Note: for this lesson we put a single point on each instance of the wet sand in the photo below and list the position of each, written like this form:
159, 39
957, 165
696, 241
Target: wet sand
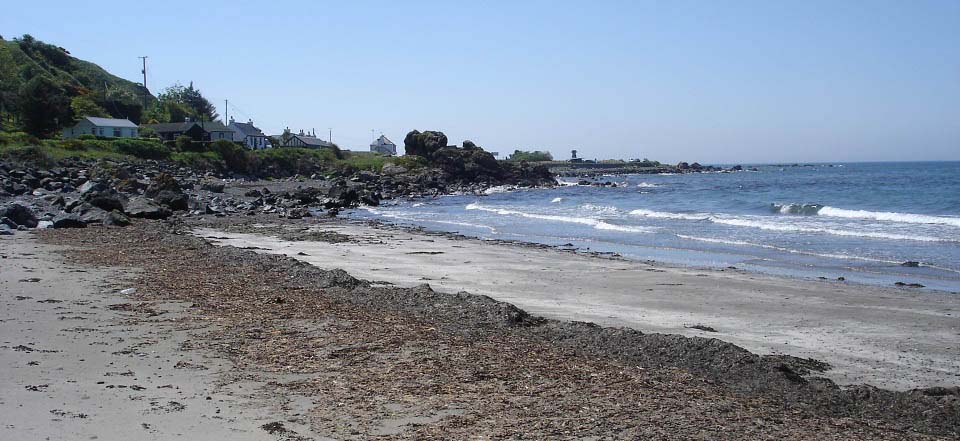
891, 338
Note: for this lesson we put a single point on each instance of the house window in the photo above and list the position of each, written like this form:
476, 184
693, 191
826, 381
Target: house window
116, 132
101, 131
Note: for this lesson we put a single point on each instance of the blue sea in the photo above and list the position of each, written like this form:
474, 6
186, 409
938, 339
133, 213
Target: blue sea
859, 221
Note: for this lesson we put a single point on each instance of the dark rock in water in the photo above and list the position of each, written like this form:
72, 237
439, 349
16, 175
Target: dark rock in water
68, 221
909, 285
141, 207
19, 214
424, 144
213, 186
340, 195
371, 199
910, 264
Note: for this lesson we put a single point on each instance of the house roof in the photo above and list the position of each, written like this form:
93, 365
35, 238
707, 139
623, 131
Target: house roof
170, 127
382, 140
110, 122
208, 126
247, 129
313, 141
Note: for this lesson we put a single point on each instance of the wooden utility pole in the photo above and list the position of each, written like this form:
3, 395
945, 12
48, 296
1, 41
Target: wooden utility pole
146, 91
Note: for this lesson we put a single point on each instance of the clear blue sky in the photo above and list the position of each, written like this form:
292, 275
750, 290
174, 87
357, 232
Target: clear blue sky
708, 81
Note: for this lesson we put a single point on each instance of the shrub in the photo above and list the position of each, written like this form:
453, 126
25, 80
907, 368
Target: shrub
410, 162
141, 149
18, 139
73, 145
34, 154
185, 144
233, 155
86, 136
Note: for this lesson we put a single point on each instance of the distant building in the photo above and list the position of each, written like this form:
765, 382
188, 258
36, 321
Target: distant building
383, 146
106, 127
306, 140
248, 134
198, 131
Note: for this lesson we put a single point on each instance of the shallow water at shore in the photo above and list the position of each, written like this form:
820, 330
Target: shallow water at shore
856, 221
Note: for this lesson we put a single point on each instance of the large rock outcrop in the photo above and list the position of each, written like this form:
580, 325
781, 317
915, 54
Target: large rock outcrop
471, 164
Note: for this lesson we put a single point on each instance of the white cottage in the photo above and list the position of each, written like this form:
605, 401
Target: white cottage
248, 134
383, 146
105, 127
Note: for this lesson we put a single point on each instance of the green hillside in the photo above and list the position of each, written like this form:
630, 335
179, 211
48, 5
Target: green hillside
43, 88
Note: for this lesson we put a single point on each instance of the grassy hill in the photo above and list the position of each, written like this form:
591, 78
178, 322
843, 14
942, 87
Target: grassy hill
23, 59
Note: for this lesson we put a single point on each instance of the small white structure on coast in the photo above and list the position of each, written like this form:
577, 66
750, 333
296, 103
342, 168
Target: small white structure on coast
104, 127
383, 146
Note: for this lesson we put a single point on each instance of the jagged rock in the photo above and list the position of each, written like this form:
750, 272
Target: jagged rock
253, 194
213, 186
340, 195
141, 207
117, 219
173, 200
424, 144
90, 187
19, 214
393, 170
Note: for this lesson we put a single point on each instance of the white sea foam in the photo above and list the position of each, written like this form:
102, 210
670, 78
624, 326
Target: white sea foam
595, 223
556, 200
567, 183
601, 209
499, 189
759, 223
786, 250
647, 185
890, 216
774, 226
668, 215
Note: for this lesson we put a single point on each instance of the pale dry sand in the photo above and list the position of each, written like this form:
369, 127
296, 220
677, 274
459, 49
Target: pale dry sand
72, 368
891, 338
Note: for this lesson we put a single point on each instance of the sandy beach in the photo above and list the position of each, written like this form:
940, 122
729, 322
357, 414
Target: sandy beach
82, 359
890, 338
225, 339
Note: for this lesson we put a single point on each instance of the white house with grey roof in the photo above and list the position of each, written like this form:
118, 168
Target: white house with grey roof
248, 134
383, 146
105, 127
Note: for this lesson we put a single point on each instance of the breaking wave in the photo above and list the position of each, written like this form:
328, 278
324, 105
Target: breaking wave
909, 218
884, 216
756, 222
595, 223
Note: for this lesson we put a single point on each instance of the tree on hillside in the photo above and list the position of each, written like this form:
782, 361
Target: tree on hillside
83, 105
44, 106
8, 82
176, 103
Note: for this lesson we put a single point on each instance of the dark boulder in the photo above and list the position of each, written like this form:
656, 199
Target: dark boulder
340, 195
177, 201
107, 200
116, 219
213, 186
68, 221
424, 144
19, 214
